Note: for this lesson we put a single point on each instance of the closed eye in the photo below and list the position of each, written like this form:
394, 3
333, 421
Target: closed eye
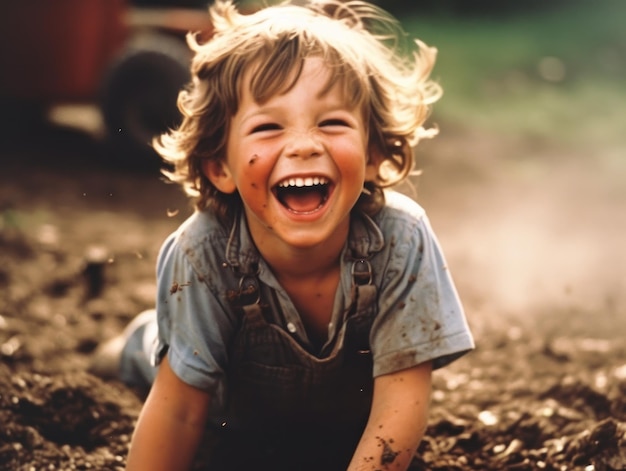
334, 122
265, 127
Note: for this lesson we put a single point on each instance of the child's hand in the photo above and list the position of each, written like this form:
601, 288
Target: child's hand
397, 420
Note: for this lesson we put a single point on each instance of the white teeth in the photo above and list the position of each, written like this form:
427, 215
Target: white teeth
301, 182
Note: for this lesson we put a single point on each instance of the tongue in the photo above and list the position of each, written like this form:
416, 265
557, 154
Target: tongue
302, 200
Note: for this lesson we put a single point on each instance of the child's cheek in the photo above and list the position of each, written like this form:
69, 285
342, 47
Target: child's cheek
254, 185
256, 170
253, 160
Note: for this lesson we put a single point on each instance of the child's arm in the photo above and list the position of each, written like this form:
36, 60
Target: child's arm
397, 420
170, 426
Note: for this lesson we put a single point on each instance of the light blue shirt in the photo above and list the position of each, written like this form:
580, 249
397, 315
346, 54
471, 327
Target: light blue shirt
420, 317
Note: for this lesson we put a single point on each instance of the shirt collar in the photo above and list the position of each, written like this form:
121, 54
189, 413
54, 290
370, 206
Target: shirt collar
364, 239
241, 253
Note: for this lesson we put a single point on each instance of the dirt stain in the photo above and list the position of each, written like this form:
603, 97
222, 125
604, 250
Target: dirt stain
177, 287
388, 455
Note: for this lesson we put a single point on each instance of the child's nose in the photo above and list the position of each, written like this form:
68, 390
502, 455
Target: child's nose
304, 144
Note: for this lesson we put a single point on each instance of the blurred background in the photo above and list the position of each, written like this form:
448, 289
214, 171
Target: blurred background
525, 185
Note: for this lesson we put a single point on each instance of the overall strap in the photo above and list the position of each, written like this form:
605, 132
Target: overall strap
364, 293
248, 298
363, 290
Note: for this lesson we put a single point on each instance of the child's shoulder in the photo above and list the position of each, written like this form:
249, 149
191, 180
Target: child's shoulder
200, 229
400, 209
402, 219
200, 243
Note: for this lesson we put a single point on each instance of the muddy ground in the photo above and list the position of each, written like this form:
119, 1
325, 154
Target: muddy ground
533, 236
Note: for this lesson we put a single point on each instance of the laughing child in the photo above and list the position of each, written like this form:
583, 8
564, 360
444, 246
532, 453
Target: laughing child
303, 306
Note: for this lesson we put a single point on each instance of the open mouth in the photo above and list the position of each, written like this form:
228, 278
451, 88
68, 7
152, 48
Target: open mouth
303, 195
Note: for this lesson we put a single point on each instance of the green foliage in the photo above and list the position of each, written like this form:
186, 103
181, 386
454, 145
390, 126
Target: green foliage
550, 73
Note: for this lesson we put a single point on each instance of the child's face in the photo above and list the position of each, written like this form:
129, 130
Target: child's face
299, 162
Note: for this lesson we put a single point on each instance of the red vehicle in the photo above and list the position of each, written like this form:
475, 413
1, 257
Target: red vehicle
131, 61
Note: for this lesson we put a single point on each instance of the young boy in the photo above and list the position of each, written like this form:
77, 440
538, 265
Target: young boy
301, 308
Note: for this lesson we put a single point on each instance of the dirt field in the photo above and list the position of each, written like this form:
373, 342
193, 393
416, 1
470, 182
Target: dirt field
533, 233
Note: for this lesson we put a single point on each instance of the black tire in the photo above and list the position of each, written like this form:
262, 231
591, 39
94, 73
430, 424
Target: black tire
138, 97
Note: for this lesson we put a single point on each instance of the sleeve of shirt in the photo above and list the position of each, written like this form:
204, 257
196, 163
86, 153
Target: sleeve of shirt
420, 315
194, 326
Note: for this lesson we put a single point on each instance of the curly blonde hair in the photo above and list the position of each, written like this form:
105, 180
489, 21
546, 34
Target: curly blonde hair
377, 68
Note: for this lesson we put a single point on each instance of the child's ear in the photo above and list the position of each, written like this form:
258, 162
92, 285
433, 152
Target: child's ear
219, 174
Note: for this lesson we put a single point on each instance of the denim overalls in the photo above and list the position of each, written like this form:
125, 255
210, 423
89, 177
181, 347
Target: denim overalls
297, 410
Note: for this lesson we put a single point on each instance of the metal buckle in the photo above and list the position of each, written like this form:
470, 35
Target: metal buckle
248, 285
362, 272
